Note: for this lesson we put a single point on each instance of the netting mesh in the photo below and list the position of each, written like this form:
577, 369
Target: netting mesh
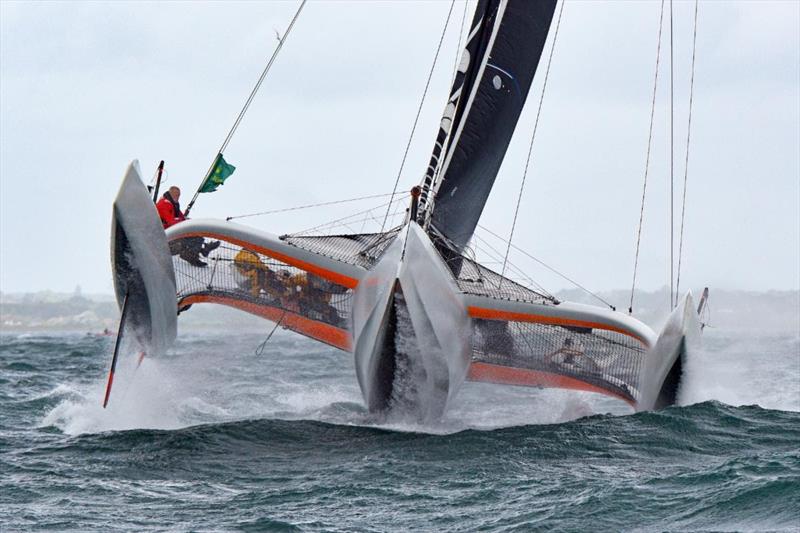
474, 278
359, 249
606, 359
365, 249
257, 280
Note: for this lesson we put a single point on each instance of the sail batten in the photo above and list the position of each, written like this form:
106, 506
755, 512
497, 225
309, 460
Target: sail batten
492, 83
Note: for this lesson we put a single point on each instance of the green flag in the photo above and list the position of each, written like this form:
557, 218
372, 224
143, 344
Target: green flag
218, 175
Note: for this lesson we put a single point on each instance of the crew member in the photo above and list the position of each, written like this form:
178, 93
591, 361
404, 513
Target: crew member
256, 275
188, 248
318, 296
169, 210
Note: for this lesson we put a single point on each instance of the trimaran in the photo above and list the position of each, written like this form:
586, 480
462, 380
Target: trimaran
411, 305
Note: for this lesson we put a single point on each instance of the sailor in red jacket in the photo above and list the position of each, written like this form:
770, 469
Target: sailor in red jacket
169, 209
188, 248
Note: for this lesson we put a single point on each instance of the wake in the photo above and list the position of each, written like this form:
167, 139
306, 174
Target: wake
209, 382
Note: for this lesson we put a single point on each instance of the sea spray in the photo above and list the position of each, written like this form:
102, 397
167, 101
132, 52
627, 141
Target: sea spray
744, 370
283, 440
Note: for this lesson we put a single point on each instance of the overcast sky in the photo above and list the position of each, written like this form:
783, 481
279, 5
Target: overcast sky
87, 87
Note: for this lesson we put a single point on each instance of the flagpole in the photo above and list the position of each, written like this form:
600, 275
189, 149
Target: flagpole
246, 106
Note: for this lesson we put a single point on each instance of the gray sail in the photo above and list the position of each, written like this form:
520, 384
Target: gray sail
500, 59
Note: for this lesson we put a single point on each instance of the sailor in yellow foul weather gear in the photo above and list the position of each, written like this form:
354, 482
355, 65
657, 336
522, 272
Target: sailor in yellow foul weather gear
255, 272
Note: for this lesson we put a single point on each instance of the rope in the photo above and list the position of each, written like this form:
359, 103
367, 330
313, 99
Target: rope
246, 104
419, 110
686, 163
533, 136
260, 348
459, 54
308, 206
705, 320
551, 269
497, 255
164, 177
647, 158
339, 220
671, 165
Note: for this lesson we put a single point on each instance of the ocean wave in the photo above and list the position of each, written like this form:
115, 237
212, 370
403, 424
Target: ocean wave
211, 437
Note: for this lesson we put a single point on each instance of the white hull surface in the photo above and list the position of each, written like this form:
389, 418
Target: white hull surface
142, 266
427, 355
663, 368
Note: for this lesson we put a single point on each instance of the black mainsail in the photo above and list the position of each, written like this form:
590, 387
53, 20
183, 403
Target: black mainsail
494, 76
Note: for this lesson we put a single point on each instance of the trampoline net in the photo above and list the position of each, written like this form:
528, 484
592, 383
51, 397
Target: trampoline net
474, 278
363, 249
607, 360
244, 278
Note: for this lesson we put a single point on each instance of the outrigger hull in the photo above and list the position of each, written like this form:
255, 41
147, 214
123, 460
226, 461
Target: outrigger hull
664, 367
142, 267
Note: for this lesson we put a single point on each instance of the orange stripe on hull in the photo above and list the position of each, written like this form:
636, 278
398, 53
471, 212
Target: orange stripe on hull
505, 375
330, 275
513, 316
320, 331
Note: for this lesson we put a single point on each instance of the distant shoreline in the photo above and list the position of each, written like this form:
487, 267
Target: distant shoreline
48, 311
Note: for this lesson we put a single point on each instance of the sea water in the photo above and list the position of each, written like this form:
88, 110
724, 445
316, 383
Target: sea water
214, 437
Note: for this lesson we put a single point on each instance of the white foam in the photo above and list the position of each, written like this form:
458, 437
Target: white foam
744, 370
144, 399
209, 380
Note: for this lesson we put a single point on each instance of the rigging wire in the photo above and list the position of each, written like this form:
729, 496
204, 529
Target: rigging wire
459, 53
671, 163
424, 202
533, 136
309, 206
236, 123
419, 109
497, 255
548, 267
686, 162
260, 348
647, 158
338, 221
164, 177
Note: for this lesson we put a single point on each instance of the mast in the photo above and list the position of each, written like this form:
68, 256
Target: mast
465, 75
500, 58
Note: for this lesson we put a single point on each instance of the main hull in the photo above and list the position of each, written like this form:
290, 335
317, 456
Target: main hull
411, 329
